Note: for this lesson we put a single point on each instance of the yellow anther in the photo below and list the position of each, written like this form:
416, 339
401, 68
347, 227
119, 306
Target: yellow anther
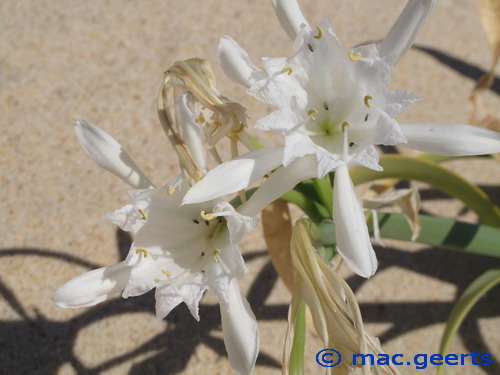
206, 216
214, 255
354, 57
142, 251
158, 281
320, 33
287, 69
166, 273
367, 100
201, 118
345, 124
143, 214
170, 189
310, 114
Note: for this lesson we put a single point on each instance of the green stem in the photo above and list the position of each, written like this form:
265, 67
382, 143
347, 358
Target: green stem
315, 210
299, 341
435, 231
324, 189
404, 167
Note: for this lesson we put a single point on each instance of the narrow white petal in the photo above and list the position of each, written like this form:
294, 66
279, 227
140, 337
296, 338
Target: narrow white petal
234, 175
236, 63
93, 287
353, 240
281, 181
290, 16
451, 139
403, 33
109, 154
191, 131
241, 335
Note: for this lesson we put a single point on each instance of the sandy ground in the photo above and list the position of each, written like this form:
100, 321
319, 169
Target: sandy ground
104, 61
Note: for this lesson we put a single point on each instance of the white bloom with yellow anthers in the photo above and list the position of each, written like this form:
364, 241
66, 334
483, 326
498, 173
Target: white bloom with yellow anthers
334, 107
180, 251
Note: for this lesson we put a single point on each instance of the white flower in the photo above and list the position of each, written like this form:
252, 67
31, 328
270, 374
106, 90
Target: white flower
334, 106
180, 251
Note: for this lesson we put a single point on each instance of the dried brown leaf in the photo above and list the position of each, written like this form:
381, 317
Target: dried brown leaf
277, 226
490, 17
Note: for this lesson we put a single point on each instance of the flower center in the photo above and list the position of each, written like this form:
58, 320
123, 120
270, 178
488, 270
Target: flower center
327, 123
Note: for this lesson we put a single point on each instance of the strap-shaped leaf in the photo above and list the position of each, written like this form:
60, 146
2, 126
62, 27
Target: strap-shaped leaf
467, 300
435, 231
408, 168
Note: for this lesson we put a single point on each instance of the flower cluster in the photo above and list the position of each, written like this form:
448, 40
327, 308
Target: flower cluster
333, 108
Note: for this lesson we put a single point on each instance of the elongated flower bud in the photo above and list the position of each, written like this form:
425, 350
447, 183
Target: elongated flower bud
110, 155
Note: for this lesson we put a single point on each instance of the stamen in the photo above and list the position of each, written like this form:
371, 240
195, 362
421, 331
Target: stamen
354, 57
320, 33
310, 48
196, 221
310, 114
367, 100
345, 148
287, 69
159, 281
366, 117
325, 106
345, 124
142, 251
201, 118
214, 255
166, 273
143, 214
170, 189
206, 216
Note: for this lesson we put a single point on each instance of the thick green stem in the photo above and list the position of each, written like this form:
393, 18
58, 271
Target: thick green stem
325, 192
315, 210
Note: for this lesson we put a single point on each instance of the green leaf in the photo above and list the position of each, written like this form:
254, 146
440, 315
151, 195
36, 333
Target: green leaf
467, 300
435, 231
443, 158
408, 168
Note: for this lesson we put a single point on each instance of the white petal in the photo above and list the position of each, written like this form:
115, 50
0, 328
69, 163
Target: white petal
290, 16
237, 224
169, 296
234, 175
241, 335
451, 139
128, 217
353, 240
93, 287
191, 131
110, 155
280, 89
281, 181
402, 35
236, 64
